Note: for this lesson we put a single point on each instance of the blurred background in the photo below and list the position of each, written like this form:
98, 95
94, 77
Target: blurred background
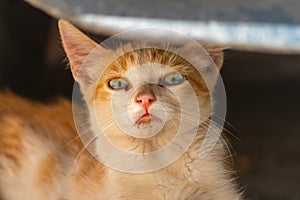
263, 94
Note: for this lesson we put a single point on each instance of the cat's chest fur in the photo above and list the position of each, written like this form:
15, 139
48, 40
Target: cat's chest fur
173, 182
184, 179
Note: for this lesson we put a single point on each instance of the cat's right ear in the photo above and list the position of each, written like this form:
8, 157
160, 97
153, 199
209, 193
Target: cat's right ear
77, 47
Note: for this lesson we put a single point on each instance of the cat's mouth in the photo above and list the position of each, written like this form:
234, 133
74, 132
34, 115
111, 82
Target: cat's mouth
145, 119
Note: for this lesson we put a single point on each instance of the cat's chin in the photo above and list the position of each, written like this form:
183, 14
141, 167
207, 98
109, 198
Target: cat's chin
146, 126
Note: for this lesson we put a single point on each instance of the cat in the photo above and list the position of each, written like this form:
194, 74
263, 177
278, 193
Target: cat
42, 157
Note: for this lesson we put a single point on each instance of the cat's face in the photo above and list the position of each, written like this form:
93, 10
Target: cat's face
141, 95
141, 100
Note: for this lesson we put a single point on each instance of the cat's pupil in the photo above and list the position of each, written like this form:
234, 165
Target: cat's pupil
173, 79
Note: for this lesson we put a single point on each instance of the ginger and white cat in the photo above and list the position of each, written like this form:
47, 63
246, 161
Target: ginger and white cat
42, 157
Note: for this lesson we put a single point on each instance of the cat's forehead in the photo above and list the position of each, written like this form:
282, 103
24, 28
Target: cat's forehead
150, 62
147, 73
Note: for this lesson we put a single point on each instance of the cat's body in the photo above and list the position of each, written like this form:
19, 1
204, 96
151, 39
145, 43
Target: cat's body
41, 156
34, 155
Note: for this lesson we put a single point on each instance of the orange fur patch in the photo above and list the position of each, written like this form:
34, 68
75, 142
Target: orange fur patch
11, 146
47, 170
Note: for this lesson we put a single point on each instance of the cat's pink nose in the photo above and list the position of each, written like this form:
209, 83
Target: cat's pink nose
145, 100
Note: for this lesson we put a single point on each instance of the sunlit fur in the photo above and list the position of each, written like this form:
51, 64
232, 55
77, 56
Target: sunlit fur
34, 152
41, 157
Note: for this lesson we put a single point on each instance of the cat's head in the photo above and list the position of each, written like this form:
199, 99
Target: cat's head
138, 94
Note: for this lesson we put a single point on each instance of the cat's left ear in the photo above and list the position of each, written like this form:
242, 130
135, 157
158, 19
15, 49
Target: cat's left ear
78, 46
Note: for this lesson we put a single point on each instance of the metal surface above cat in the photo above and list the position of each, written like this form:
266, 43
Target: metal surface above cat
256, 25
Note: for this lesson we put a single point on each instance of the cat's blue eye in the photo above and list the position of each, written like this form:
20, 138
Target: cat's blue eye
172, 79
118, 84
